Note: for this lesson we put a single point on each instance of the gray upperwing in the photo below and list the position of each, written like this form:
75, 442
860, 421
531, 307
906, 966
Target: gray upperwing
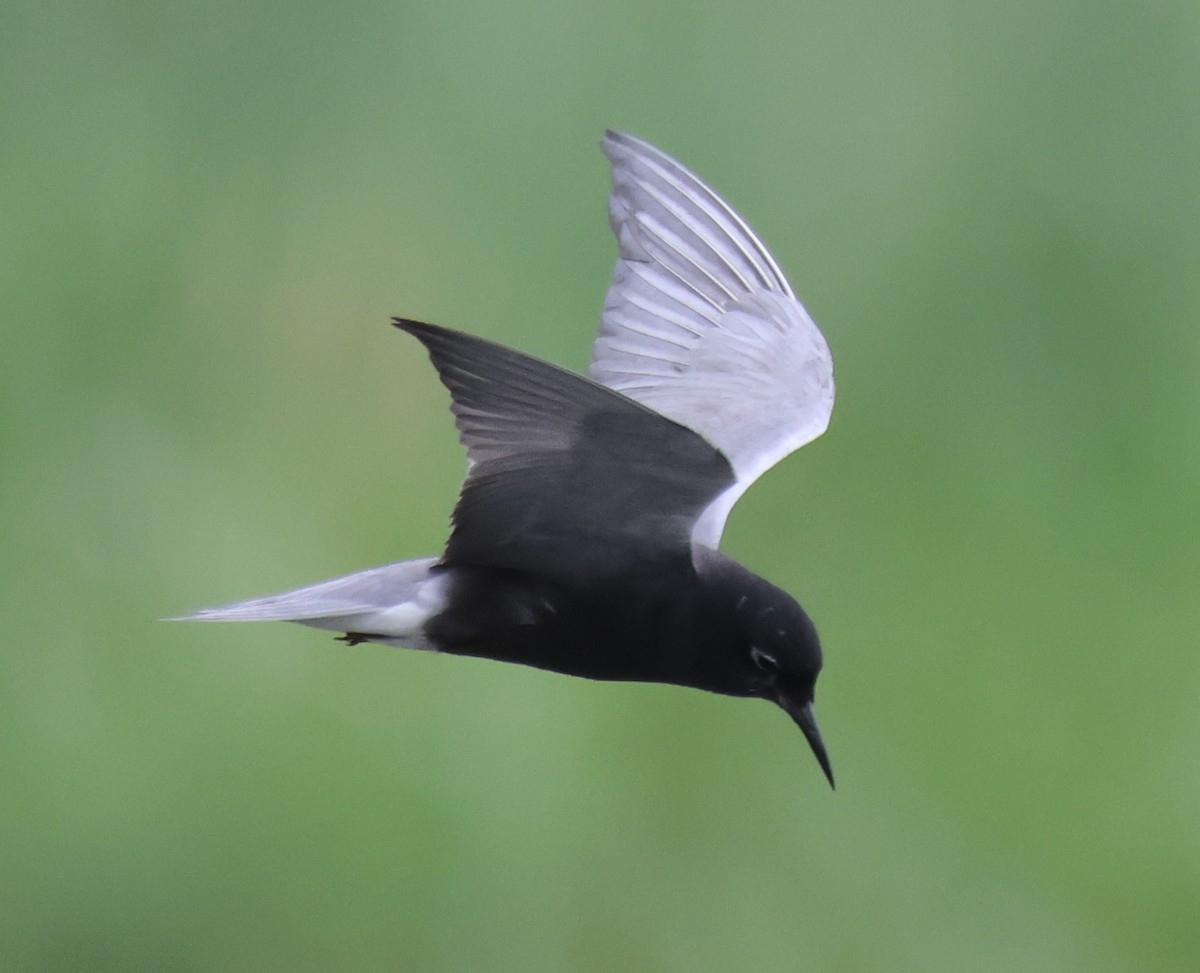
568, 479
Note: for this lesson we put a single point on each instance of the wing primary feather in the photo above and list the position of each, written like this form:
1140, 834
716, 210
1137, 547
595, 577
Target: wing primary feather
650, 278
629, 149
675, 243
714, 248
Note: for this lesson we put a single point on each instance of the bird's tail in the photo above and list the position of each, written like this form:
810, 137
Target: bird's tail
389, 603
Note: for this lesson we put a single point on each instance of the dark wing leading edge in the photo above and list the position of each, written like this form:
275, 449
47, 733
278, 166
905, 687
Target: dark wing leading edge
701, 326
567, 478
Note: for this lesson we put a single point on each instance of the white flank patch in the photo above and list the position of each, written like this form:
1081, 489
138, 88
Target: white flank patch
402, 625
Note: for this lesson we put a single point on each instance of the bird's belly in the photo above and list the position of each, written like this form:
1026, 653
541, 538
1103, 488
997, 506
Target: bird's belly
514, 618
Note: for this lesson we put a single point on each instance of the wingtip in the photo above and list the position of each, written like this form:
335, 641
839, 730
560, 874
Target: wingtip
619, 145
423, 331
616, 143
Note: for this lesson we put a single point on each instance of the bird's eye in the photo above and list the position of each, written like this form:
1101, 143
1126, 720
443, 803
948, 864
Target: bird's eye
764, 660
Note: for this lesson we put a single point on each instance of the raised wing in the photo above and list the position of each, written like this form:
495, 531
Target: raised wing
700, 324
568, 478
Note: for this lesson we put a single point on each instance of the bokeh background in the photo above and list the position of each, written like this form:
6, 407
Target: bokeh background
209, 212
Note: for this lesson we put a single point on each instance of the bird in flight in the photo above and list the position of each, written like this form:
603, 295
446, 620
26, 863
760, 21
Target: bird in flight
585, 538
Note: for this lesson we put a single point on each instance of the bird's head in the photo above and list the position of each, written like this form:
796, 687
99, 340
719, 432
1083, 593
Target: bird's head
782, 658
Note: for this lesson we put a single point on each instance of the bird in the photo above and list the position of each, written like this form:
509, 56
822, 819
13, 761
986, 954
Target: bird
585, 539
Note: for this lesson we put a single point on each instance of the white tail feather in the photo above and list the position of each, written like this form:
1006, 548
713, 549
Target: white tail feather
386, 604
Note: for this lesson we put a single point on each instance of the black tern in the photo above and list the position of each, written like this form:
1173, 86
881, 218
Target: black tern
585, 538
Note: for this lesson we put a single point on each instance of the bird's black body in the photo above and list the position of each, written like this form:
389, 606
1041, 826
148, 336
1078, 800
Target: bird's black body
584, 539
572, 549
666, 623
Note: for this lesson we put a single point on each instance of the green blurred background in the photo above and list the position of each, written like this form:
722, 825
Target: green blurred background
207, 215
